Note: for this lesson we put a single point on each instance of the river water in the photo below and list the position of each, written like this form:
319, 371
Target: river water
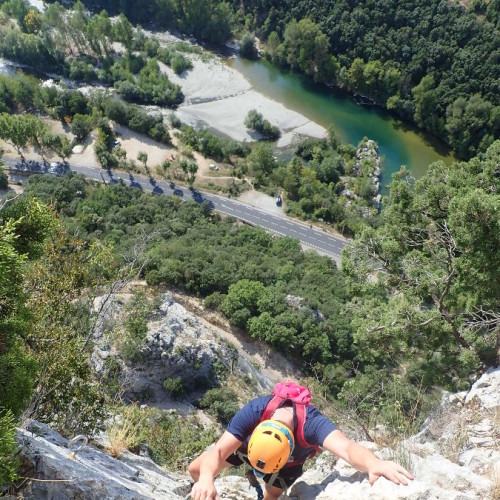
399, 143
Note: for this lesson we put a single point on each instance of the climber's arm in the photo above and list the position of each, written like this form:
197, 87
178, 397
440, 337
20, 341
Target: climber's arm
205, 468
364, 460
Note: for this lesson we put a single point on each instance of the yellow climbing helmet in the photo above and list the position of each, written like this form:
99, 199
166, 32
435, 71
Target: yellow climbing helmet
270, 446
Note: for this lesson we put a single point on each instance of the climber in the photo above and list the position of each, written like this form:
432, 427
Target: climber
276, 435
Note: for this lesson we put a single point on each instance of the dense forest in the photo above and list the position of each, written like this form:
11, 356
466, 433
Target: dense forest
435, 64
420, 62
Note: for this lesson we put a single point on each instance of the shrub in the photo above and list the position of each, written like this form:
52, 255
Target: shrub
127, 432
4, 179
221, 402
174, 441
213, 301
136, 331
176, 387
180, 64
247, 46
8, 461
255, 121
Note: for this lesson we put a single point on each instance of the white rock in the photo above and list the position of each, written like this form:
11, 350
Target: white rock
486, 389
91, 474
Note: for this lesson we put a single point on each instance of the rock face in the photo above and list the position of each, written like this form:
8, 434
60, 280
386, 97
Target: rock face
177, 344
456, 455
90, 473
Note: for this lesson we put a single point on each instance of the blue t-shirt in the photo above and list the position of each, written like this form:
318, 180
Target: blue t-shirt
316, 427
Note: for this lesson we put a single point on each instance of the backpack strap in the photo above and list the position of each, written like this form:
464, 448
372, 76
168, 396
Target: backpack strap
271, 407
300, 413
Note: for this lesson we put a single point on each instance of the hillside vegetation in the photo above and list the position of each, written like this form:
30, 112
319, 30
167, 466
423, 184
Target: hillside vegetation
429, 319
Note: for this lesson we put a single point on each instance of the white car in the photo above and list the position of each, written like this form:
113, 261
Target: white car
57, 168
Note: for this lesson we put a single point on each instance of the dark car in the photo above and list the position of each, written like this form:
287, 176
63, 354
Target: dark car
279, 201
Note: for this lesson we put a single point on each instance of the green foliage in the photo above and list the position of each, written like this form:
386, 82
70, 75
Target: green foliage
210, 145
221, 402
151, 87
136, 328
24, 229
436, 247
29, 49
176, 60
4, 178
172, 440
8, 462
175, 386
81, 126
255, 121
247, 46
136, 119
66, 387
416, 60
241, 301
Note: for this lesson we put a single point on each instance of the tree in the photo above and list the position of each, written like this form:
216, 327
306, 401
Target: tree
426, 106
81, 126
23, 231
261, 161
4, 178
124, 32
272, 47
468, 123
240, 304
192, 170
36, 130
33, 22
143, 158
436, 250
255, 121
247, 46
15, 131
57, 143
99, 32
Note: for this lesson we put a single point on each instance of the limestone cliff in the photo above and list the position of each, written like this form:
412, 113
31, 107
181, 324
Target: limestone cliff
456, 454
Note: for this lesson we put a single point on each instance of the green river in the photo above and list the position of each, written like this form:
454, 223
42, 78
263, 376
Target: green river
399, 143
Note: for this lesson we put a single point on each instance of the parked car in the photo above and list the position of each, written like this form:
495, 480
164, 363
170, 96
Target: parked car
279, 201
57, 168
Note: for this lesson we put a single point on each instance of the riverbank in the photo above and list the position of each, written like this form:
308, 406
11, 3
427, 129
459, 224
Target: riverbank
219, 98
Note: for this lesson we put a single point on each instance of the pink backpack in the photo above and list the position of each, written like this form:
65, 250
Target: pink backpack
300, 398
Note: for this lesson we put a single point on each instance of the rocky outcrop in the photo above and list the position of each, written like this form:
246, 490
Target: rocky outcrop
456, 455
178, 344
367, 165
90, 473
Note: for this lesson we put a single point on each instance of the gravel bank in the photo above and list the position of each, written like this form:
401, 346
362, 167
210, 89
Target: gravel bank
219, 98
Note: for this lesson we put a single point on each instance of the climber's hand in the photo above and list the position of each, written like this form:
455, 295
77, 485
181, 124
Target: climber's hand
204, 489
390, 470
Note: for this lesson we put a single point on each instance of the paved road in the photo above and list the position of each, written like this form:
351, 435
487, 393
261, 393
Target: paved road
321, 241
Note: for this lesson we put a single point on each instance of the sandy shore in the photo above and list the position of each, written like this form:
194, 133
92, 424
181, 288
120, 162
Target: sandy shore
219, 98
